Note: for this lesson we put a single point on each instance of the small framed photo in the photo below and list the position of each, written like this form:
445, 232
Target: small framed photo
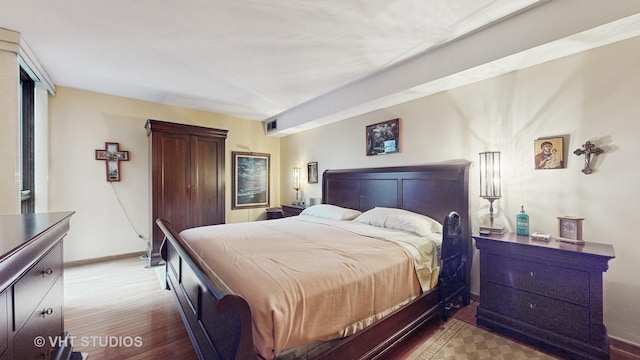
383, 138
312, 172
549, 153
250, 187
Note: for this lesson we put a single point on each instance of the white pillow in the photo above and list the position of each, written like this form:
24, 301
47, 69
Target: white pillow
331, 212
399, 219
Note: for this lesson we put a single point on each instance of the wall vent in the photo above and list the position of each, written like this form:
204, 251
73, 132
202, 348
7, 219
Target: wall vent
271, 125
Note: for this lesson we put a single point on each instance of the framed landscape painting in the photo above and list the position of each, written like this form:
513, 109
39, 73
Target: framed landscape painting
251, 187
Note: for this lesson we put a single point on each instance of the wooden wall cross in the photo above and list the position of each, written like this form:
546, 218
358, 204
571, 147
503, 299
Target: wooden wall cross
112, 157
587, 150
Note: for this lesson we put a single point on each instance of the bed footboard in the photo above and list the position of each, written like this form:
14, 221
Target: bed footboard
218, 322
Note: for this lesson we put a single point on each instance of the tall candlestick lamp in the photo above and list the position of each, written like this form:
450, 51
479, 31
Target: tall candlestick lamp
490, 185
297, 183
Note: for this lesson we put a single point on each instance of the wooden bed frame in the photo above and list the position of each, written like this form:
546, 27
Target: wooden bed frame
219, 322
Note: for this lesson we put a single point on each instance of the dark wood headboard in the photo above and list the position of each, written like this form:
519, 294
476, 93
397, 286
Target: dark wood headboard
433, 190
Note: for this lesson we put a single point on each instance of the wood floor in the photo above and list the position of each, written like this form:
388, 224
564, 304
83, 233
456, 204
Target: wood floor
118, 310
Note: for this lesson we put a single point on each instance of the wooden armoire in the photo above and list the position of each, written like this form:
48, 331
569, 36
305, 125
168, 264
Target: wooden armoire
187, 178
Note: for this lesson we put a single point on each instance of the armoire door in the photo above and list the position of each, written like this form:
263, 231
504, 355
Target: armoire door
207, 181
173, 180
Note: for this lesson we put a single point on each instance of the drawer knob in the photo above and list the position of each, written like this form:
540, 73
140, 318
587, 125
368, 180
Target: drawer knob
46, 312
532, 306
47, 271
532, 274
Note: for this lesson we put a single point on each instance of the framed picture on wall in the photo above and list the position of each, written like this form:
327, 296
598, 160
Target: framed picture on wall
312, 172
250, 187
549, 153
383, 138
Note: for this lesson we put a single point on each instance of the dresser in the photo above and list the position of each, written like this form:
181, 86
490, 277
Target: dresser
31, 288
547, 294
187, 178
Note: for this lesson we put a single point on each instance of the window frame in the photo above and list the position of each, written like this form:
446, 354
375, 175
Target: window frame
27, 142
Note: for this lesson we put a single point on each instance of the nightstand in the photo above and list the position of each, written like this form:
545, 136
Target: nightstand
274, 213
547, 294
291, 210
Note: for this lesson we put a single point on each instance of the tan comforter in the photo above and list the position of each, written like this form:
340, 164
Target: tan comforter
308, 279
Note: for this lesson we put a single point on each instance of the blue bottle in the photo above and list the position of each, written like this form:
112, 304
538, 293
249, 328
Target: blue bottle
522, 223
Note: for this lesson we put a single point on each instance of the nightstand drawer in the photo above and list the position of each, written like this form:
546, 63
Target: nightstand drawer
543, 312
561, 283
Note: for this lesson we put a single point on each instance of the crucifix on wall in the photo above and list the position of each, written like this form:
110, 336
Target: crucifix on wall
588, 149
112, 157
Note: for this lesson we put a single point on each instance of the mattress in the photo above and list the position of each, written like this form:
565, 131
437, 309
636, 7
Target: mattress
308, 279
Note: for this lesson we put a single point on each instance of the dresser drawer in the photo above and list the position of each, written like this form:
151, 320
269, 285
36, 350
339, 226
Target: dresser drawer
45, 322
35, 283
561, 283
543, 312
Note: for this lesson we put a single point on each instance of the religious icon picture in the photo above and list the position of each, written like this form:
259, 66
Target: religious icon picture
549, 153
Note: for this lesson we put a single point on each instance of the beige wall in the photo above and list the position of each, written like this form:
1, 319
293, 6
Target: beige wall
81, 122
590, 96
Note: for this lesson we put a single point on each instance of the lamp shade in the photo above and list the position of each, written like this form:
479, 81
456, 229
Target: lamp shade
490, 175
297, 179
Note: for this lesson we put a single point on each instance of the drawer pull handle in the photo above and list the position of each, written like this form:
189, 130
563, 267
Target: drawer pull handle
46, 312
532, 306
47, 271
532, 274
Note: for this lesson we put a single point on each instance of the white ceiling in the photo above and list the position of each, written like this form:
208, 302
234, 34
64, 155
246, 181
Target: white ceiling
304, 62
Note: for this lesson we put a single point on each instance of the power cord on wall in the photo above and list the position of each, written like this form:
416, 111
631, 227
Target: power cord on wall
125, 213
